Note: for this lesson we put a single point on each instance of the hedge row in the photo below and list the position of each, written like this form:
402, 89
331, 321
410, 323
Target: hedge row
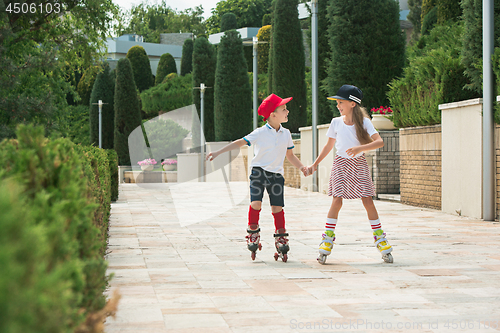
54, 210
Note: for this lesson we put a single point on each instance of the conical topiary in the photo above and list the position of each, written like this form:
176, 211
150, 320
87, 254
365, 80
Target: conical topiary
165, 66
141, 67
187, 57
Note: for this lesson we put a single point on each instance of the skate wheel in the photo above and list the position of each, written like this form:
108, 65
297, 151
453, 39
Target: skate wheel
260, 246
388, 258
253, 255
322, 259
276, 256
285, 258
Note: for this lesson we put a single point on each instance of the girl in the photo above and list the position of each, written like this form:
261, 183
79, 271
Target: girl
352, 134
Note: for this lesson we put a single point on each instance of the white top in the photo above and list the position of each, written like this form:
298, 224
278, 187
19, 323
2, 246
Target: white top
270, 147
345, 135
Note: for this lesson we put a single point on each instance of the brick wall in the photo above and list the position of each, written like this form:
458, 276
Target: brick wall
386, 164
497, 149
420, 168
292, 174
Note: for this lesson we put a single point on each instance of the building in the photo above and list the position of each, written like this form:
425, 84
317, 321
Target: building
170, 43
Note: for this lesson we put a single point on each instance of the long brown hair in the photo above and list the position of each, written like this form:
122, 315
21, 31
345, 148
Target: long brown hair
358, 113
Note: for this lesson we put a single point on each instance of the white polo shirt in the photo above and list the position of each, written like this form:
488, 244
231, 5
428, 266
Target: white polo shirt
345, 135
270, 147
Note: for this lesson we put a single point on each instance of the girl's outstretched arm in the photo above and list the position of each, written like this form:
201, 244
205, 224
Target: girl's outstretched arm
233, 145
324, 152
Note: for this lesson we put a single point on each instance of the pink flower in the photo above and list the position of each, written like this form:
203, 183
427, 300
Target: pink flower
148, 161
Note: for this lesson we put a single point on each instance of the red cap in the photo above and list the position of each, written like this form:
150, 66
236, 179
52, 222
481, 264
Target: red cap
270, 104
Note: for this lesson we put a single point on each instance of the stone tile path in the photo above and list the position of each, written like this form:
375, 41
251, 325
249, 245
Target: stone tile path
179, 259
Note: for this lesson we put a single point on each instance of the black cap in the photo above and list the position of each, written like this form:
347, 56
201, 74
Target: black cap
348, 93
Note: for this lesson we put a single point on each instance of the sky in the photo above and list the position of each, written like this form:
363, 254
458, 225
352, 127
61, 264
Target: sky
178, 5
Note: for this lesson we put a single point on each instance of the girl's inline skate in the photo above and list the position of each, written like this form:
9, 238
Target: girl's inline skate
383, 245
326, 245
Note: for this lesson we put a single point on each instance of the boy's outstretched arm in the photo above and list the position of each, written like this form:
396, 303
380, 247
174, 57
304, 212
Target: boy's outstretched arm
296, 162
233, 145
324, 152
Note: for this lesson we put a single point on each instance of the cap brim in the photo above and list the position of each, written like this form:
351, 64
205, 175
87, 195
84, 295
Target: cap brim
334, 98
285, 100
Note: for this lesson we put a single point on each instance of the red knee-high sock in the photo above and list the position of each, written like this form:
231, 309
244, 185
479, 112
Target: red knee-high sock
253, 216
279, 220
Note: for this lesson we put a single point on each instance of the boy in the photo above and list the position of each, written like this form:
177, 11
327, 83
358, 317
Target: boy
272, 144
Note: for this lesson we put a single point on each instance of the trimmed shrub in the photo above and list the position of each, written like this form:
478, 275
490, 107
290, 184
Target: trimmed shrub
103, 90
233, 97
264, 35
434, 76
127, 111
78, 125
164, 137
228, 21
430, 20
448, 10
204, 62
187, 57
288, 62
165, 67
173, 94
427, 6
143, 77
54, 255
367, 48
414, 17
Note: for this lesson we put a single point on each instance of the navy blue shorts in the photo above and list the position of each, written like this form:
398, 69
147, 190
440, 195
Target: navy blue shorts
274, 183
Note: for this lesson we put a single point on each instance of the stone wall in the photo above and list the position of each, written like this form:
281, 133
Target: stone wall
420, 170
292, 174
386, 164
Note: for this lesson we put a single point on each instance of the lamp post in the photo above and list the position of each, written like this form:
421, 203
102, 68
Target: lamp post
100, 104
202, 135
488, 130
255, 43
314, 55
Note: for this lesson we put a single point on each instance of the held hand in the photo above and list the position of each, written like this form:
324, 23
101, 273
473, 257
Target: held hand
354, 151
311, 169
305, 171
211, 156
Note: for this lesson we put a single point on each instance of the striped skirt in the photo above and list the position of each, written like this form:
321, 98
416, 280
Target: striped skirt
350, 178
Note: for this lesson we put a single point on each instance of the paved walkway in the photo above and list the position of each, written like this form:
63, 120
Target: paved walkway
180, 261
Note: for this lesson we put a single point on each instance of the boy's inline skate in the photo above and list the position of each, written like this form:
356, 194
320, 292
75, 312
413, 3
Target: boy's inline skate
326, 245
383, 245
253, 241
281, 244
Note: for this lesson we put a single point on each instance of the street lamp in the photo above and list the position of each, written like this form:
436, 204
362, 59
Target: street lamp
255, 42
314, 55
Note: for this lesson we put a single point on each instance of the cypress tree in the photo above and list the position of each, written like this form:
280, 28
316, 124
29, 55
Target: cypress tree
141, 67
367, 47
233, 94
448, 10
472, 48
324, 110
414, 17
187, 57
103, 90
204, 62
127, 111
228, 21
288, 62
165, 66
264, 35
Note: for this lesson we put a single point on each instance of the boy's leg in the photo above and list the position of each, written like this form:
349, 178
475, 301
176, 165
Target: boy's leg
254, 214
256, 194
276, 190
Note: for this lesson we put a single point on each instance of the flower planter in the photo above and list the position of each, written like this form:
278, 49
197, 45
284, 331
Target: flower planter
381, 123
169, 167
147, 167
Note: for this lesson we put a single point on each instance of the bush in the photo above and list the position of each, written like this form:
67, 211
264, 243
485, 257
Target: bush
376, 51
173, 94
187, 57
434, 76
288, 62
204, 61
233, 97
76, 121
143, 77
52, 247
429, 21
164, 137
228, 21
127, 111
85, 85
165, 67
103, 90
264, 35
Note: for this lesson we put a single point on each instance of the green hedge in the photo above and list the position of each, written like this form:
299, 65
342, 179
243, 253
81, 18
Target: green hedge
54, 211
434, 76
496, 70
173, 94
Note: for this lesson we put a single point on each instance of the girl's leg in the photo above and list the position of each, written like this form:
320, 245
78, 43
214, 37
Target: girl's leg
380, 241
370, 208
